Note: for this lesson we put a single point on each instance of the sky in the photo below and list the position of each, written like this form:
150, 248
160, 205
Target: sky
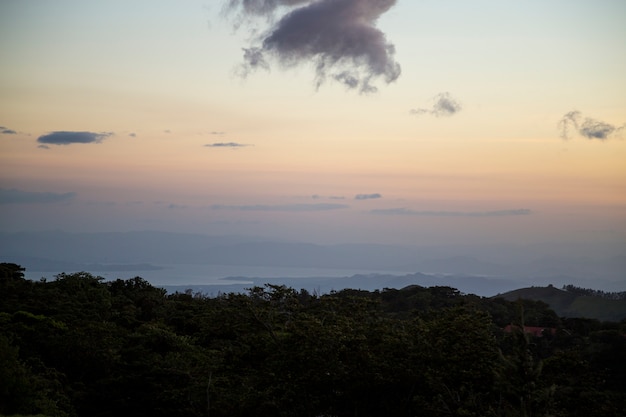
325, 121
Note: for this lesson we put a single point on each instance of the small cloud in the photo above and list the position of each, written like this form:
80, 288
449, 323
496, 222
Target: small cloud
225, 145
67, 138
43, 147
173, 206
253, 60
367, 196
282, 207
431, 213
588, 128
7, 131
218, 133
443, 105
132, 135
330, 197
15, 196
167, 131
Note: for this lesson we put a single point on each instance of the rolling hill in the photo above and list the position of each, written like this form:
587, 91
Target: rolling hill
568, 304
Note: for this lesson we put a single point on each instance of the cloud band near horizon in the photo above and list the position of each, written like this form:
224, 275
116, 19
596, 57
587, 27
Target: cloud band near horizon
401, 211
15, 196
282, 207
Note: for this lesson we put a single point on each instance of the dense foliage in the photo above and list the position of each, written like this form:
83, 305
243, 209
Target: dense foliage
80, 346
588, 292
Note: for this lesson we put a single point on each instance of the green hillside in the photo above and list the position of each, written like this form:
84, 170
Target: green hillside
572, 304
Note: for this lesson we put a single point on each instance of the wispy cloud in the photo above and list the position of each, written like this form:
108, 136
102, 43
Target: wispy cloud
442, 213
282, 207
587, 127
134, 203
367, 196
443, 104
173, 206
15, 196
339, 37
330, 197
226, 145
67, 138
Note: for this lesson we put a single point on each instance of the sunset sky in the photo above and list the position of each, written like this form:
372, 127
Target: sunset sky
326, 121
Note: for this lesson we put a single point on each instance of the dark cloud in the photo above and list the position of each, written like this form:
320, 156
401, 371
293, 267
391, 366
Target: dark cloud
339, 37
225, 145
7, 131
429, 213
282, 207
587, 127
67, 138
132, 135
443, 105
262, 7
367, 196
253, 59
15, 196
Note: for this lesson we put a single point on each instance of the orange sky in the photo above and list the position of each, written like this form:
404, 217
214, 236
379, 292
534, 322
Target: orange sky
164, 85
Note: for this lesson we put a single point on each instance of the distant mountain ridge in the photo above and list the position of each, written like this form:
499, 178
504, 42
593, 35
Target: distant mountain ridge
599, 266
568, 304
371, 282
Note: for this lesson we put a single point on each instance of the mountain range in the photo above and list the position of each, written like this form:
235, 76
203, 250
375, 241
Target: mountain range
601, 266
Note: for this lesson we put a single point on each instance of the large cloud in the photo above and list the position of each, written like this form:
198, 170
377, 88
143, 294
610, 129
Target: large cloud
587, 127
67, 138
15, 196
339, 37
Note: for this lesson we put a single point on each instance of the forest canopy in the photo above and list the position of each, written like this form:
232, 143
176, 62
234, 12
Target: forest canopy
82, 346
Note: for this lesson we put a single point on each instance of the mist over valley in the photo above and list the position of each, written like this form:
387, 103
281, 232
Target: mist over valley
214, 264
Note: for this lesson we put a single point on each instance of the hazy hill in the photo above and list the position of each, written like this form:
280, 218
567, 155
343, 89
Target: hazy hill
568, 304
